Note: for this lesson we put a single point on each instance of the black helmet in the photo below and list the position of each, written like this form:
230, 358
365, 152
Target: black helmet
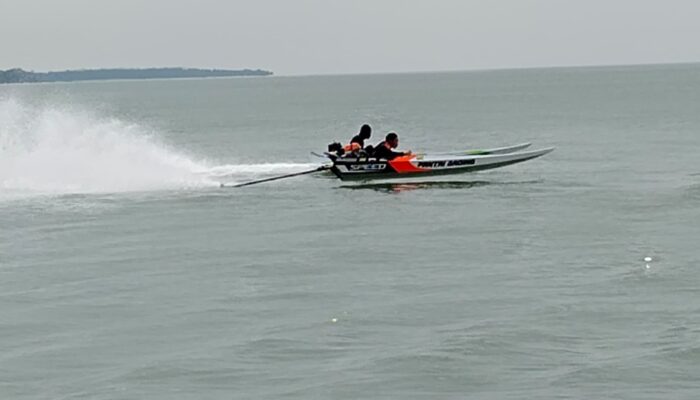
365, 131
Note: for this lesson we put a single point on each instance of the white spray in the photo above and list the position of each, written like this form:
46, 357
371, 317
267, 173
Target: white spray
54, 150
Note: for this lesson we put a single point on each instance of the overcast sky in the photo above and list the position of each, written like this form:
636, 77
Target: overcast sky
293, 37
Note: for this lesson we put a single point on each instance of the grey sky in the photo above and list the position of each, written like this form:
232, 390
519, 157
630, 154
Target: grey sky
346, 36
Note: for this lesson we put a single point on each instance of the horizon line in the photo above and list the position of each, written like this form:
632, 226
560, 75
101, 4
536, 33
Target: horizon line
492, 69
412, 72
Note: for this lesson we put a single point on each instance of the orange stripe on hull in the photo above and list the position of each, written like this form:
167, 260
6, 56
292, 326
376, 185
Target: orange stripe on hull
403, 165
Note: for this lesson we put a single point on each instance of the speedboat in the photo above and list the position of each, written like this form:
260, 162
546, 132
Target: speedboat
365, 167
360, 167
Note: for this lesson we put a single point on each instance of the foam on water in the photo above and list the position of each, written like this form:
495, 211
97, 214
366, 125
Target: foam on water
61, 150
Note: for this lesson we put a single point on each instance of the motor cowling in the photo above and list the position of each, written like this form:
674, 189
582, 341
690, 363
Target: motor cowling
336, 148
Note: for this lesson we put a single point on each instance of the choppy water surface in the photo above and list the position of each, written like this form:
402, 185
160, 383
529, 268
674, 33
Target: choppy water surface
126, 272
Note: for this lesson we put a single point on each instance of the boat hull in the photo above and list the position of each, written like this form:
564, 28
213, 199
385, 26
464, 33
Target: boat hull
425, 165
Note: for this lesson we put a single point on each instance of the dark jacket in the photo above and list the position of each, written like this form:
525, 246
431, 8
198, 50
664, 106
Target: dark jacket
381, 151
359, 140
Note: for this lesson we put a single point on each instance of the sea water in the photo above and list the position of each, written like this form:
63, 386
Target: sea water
126, 272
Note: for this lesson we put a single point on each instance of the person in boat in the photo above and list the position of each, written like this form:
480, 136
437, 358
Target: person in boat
365, 133
357, 143
386, 148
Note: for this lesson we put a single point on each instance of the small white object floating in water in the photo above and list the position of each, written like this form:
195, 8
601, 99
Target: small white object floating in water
334, 320
648, 260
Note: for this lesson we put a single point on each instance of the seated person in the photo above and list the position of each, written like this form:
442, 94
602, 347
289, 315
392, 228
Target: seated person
385, 148
365, 133
357, 143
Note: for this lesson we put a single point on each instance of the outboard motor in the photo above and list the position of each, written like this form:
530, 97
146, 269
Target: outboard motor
336, 148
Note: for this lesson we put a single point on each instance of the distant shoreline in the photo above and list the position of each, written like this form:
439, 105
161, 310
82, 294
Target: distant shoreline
18, 75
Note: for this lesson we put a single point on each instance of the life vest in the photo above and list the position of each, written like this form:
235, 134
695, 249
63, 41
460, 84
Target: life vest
352, 147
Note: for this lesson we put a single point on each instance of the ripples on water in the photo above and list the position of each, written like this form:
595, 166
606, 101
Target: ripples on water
126, 272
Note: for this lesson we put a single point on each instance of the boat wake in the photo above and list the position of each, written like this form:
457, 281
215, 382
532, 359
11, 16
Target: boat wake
60, 150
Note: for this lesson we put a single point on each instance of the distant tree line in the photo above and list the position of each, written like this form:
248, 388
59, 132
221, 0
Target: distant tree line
17, 75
